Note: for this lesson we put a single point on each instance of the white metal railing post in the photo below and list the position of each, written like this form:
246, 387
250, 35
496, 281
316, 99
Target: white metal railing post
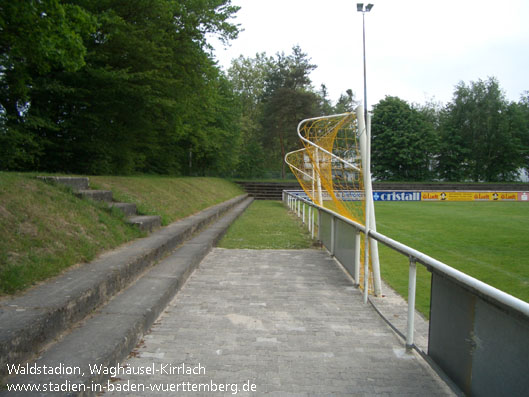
319, 224
411, 302
357, 251
303, 212
309, 220
312, 221
299, 208
333, 234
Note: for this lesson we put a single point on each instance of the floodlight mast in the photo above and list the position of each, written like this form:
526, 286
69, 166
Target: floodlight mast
360, 8
370, 221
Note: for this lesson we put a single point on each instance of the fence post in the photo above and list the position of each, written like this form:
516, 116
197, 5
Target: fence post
298, 207
357, 251
303, 212
310, 218
312, 221
319, 224
333, 237
411, 302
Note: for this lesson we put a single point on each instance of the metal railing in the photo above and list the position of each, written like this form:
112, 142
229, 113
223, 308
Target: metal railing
517, 309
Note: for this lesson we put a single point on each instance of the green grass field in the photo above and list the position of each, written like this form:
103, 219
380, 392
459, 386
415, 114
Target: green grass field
267, 225
485, 240
488, 241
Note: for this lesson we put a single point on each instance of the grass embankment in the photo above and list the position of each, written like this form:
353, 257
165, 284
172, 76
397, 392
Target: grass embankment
171, 198
267, 225
45, 229
488, 241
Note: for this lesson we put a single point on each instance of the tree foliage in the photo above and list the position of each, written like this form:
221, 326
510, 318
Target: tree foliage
480, 136
140, 93
276, 94
121, 87
403, 142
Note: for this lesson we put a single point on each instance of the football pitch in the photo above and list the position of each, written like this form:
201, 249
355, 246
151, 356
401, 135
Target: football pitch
486, 240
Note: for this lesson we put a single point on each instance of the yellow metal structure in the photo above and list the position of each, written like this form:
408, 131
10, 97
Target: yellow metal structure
329, 168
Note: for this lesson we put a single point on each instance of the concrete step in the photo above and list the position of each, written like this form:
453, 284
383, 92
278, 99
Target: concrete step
76, 183
146, 223
30, 321
112, 331
96, 195
129, 209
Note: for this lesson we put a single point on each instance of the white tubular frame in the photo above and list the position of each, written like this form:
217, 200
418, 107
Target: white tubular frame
371, 245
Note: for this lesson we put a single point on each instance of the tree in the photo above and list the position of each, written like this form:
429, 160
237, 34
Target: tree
248, 77
346, 102
519, 123
146, 96
478, 141
38, 37
403, 142
288, 98
325, 104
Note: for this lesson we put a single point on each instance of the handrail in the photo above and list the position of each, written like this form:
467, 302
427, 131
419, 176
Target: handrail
471, 282
414, 255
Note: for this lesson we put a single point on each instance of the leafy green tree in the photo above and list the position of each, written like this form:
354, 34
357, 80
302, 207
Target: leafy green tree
147, 97
288, 99
346, 102
38, 37
403, 142
325, 104
519, 123
478, 140
248, 77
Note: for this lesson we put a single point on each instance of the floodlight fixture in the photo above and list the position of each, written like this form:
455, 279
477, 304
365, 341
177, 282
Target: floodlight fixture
368, 7
360, 7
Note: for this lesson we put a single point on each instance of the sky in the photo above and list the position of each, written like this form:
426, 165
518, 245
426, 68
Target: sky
418, 50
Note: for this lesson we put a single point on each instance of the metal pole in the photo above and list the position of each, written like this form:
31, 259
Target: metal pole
411, 302
333, 234
375, 263
310, 218
319, 224
364, 46
299, 208
313, 224
357, 250
303, 213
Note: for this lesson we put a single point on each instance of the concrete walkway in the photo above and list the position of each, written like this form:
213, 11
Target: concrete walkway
275, 322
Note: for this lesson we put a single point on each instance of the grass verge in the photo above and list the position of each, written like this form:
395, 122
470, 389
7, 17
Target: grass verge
487, 241
45, 229
171, 198
267, 225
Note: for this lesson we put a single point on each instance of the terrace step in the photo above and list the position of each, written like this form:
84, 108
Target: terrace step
31, 321
96, 195
76, 183
129, 209
146, 223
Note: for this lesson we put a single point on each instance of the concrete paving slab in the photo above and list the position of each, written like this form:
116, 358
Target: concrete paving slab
280, 322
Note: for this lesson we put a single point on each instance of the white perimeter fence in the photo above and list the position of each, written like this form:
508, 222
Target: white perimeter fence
478, 335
